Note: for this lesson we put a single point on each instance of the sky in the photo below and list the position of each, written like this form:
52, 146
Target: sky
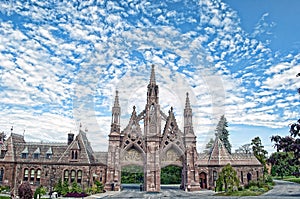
61, 63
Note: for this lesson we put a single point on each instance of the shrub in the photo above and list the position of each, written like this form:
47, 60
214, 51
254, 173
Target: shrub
253, 188
76, 195
25, 191
39, 192
268, 179
75, 188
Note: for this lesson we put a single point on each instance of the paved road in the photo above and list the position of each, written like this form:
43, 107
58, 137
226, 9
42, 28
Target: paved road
282, 190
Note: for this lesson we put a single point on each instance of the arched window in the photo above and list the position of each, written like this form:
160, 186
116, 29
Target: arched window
73, 175
25, 178
215, 175
38, 176
257, 175
1, 175
249, 177
66, 175
101, 176
79, 176
74, 155
32, 172
242, 177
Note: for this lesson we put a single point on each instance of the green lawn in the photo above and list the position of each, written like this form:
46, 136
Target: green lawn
4, 197
245, 192
289, 178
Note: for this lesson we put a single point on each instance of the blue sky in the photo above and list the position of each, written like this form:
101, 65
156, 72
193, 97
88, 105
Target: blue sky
61, 63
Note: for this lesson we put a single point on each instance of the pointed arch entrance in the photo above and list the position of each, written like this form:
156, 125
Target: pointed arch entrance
155, 147
203, 180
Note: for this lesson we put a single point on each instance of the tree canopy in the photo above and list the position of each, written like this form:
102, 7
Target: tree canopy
223, 133
209, 145
283, 164
290, 143
244, 149
25, 191
227, 179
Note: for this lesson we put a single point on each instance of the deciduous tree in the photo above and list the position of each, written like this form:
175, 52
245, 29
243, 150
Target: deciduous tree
283, 164
227, 179
290, 143
25, 191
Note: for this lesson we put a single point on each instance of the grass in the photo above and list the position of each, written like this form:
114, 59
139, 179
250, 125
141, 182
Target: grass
254, 188
289, 178
245, 192
4, 197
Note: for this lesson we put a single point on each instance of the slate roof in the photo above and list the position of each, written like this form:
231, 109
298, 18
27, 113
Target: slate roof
219, 156
51, 152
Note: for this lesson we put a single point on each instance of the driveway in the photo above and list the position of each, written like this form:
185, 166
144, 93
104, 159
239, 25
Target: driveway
282, 190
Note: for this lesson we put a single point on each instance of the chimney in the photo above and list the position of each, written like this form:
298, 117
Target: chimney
70, 138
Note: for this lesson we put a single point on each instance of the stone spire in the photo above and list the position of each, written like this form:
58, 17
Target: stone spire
152, 76
152, 94
116, 103
188, 117
116, 112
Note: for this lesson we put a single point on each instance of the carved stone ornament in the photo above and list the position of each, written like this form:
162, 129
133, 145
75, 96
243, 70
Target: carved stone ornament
171, 156
132, 155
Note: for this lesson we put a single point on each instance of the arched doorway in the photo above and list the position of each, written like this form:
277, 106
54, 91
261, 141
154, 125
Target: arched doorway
171, 177
132, 176
172, 168
249, 177
203, 180
132, 168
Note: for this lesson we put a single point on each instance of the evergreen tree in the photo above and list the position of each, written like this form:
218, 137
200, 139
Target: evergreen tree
209, 145
259, 152
223, 133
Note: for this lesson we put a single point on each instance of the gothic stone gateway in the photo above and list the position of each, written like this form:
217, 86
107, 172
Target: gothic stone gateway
155, 147
151, 148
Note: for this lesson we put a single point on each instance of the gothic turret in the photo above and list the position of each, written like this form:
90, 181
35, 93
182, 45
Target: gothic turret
188, 117
152, 94
153, 118
116, 112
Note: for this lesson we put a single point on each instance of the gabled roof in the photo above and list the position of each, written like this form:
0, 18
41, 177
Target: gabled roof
37, 151
81, 143
133, 125
219, 155
25, 150
74, 145
49, 151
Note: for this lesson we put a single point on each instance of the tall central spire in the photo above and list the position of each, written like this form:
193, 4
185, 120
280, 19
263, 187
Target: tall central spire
152, 94
116, 103
152, 77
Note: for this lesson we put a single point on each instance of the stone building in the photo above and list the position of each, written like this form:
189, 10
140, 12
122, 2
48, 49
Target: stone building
151, 139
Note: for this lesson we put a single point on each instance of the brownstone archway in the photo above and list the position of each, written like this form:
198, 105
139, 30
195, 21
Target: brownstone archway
203, 180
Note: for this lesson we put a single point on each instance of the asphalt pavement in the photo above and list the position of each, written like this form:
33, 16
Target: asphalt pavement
282, 190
